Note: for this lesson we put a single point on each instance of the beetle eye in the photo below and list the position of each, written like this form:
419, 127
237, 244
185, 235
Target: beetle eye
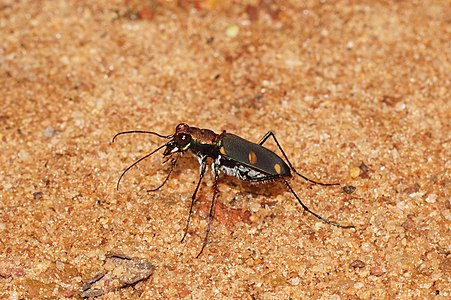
183, 139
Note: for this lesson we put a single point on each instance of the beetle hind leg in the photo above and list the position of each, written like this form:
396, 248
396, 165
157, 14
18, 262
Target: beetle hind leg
308, 209
271, 134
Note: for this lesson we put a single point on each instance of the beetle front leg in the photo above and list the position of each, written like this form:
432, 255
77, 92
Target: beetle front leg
271, 134
212, 209
173, 165
203, 167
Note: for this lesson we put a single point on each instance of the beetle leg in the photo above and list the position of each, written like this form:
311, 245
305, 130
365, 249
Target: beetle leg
203, 167
308, 210
270, 133
212, 210
174, 163
265, 137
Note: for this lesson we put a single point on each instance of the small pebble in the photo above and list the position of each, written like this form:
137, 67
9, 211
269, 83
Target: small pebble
254, 207
24, 155
37, 195
49, 132
377, 271
400, 106
295, 281
365, 170
431, 198
412, 189
359, 285
357, 264
354, 172
232, 31
349, 189
59, 265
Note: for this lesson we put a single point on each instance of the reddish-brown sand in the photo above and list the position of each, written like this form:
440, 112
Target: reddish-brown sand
357, 93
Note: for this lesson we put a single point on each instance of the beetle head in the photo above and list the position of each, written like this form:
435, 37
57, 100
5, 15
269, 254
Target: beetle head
180, 141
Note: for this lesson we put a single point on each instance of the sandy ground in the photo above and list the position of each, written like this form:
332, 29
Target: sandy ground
356, 93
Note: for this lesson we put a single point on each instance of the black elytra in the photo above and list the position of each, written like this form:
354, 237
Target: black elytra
253, 156
229, 154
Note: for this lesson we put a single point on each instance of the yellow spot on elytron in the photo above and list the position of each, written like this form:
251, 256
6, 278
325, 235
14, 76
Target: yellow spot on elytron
222, 150
277, 168
252, 157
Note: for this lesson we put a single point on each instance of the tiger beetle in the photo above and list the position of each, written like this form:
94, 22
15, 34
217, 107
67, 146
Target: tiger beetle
230, 154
